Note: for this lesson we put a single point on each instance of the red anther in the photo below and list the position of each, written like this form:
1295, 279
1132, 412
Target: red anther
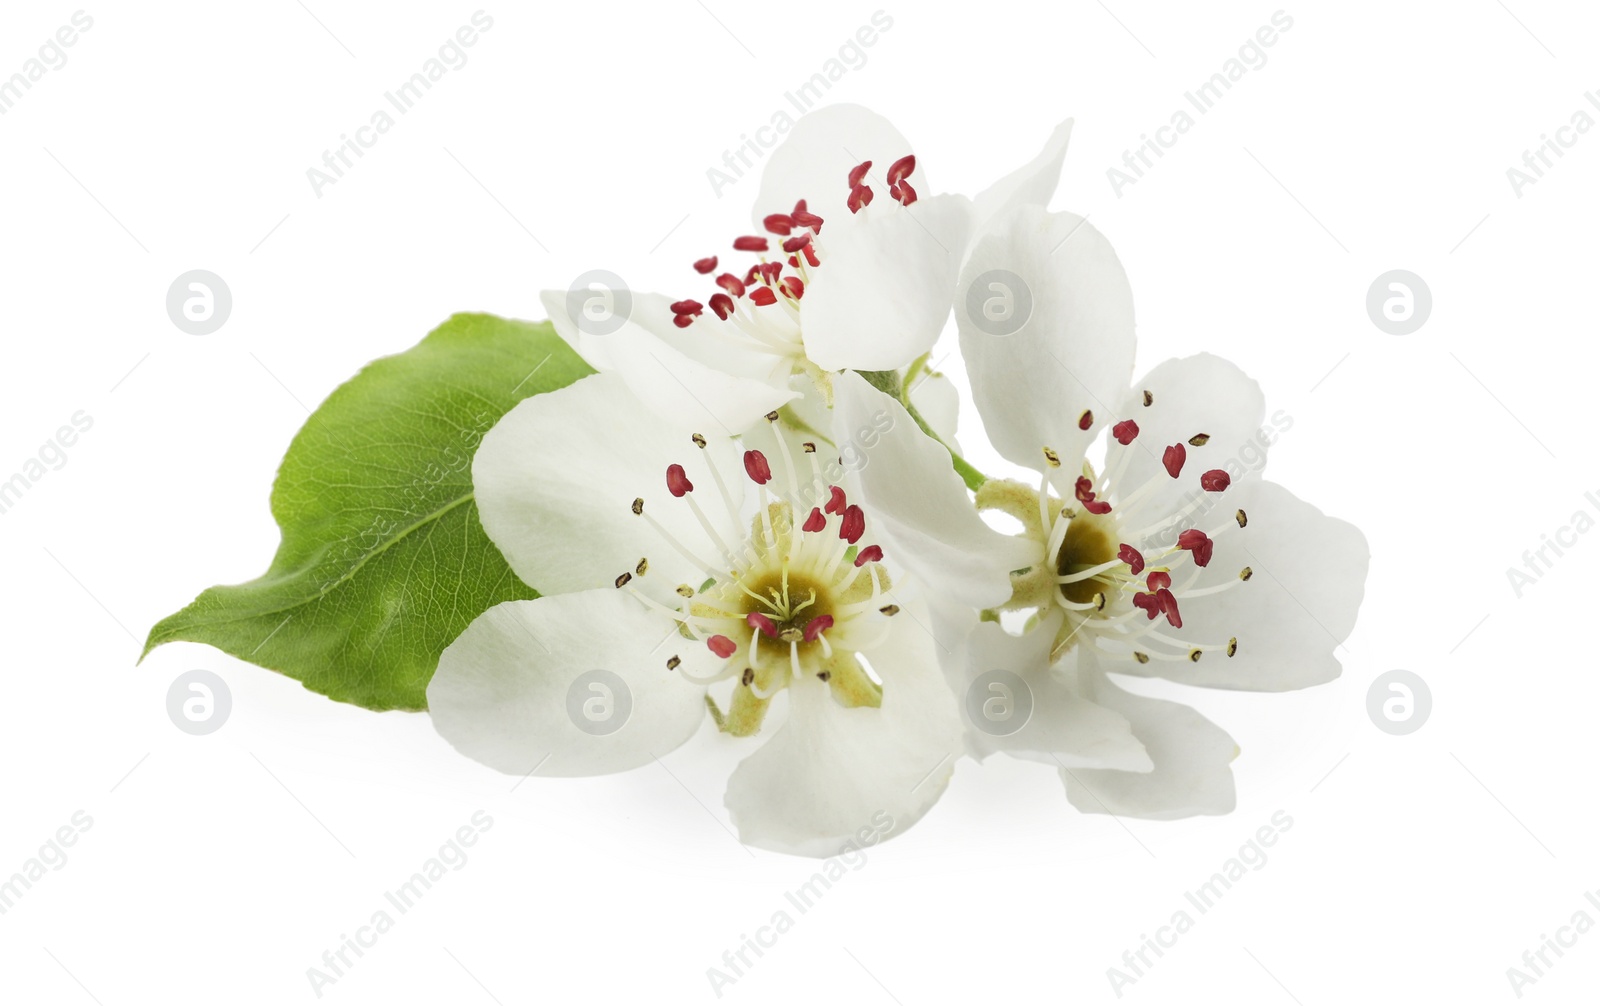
793, 286
901, 169
683, 320
1125, 431
678, 481
778, 223
752, 243
770, 271
705, 265
816, 627
805, 218
1198, 544
1097, 506
1157, 580
859, 196
835, 502
761, 296
1168, 603
1172, 458
1147, 604
1131, 556
811, 257
1086, 420
722, 646
859, 172
853, 525
687, 307
872, 553
816, 522
731, 283
755, 466
750, 277
796, 243
1083, 489
794, 262
722, 304
1215, 481
767, 627
903, 192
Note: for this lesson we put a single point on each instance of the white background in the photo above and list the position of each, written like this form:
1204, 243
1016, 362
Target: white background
219, 868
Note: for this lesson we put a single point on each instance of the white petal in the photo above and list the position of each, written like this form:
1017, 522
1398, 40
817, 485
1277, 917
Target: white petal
814, 164
686, 390
1033, 183
882, 295
1189, 396
910, 492
1064, 727
1308, 574
513, 689
830, 775
937, 401
556, 478
1192, 757
1046, 320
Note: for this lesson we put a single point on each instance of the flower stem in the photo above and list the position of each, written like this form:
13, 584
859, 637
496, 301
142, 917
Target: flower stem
890, 383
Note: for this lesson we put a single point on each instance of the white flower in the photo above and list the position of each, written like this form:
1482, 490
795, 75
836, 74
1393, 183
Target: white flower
1170, 559
659, 567
852, 265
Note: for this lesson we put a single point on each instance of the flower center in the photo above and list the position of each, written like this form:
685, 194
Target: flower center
1112, 596
794, 598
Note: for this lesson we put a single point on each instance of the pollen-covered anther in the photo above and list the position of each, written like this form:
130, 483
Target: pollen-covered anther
705, 265
1131, 556
747, 677
853, 524
1199, 439
1099, 601
642, 568
890, 609
678, 483
1233, 645
1051, 458
638, 505
1125, 431
1194, 656
1143, 658
673, 662
698, 440
683, 590
809, 447
772, 416
722, 646
872, 553
823, 676
1149, 399
1086, 420
766, 626
1215, 480
1239, 516
622, 581
1198, 544
756, 466
750, 243
1172, 459
1246, 573
816, 627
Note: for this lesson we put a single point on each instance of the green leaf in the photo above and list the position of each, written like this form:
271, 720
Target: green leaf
383, 561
